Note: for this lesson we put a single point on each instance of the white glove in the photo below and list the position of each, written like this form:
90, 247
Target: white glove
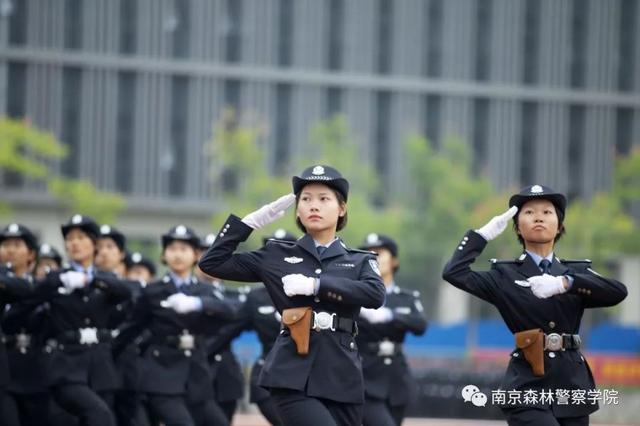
269, 212
73, 280
182, 304
544, 286
497, 224
298, 285
375, 316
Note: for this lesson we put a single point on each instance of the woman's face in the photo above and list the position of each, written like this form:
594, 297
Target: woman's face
108, 256
45, 265
386, 262
538, 221
139, 273
16, 251
180, 256
318, 208
79, 246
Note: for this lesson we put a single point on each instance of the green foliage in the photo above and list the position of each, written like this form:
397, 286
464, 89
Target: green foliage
29, 152
626, 178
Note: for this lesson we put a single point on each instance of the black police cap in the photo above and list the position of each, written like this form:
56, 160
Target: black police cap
206, 241
279, 234
372, 241
118, 237
532, 192
136, 258
84, 223
48, 252
321, 174
181, 233
15, 230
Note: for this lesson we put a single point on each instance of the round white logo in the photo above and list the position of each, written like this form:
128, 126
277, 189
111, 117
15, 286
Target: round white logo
372, 238
14, 228
280, 233
136, 257
76, 219
318, 170
536, 189
181, 230
105, 229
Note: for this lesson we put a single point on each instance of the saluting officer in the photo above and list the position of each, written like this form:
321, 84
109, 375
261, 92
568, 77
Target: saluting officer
389, 384
49, 259
170, 320
315, 376
541, 299
27, 400
82, 375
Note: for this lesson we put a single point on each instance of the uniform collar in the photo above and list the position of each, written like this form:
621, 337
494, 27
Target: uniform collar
537, 258
393, 288
178, 281
90, 271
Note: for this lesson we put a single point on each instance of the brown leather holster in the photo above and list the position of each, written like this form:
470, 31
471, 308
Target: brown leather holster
298, 321
531, 342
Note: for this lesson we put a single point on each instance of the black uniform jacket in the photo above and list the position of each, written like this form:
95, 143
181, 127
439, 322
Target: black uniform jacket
505, 287
387, 376
166, 368
12, 289
87, 307
349, 279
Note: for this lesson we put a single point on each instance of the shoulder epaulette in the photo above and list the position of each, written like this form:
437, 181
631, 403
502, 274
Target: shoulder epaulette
275, 240
575, 261
505, 261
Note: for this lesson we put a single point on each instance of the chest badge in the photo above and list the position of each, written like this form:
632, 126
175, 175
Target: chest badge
523, 283
293, 260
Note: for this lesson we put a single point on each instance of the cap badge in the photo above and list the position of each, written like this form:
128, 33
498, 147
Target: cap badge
105, 229
76, 219
280, 233
14, 228
318, 170
136, 257
372, 238
181, 230
536, 189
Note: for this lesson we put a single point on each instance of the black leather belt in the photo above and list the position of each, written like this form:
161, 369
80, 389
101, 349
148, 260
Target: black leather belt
185, 341
331, 321
561, 342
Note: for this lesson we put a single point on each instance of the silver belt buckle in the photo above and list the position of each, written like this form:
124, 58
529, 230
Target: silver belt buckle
386, 348
23, 341
187, 341
323, 321
88, 336
553, 342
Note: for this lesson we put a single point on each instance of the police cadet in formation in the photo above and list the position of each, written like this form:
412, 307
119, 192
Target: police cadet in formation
82, 375
26, 400
541, 299
318, 285
110, 257
169, 321
389, 384
140, 268
49, 259
228, 379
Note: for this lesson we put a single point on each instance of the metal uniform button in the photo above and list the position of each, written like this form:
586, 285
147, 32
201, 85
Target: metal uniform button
187, 353
85, 299
352, 345
552, 324
387, 361
156, 353
316, 299
459, 247
318, 270
218, 357
552, 354
465, 239
87, 321
515, 355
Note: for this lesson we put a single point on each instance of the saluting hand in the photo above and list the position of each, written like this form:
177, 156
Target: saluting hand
497, 224
375, 316
544, 286
182, 304
270, 212
73, 280
298, 285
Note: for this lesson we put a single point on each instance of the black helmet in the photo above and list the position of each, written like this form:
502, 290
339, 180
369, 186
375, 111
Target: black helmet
84, 223
279, 234
48, 252
15, 230
181, 233
372, 241
118, 237
136, 258
532, 192
321, 174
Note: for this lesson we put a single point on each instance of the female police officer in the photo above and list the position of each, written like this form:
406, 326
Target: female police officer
388, 381
541, 299
315, 377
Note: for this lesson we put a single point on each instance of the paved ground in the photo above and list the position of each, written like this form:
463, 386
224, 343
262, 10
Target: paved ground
257, 420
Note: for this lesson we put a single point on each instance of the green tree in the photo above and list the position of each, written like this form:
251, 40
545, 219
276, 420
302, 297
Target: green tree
29, 153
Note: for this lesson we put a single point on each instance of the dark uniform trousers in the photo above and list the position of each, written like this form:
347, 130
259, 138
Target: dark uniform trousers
82, 375
176, 380
506, 288
329, 378
389, 384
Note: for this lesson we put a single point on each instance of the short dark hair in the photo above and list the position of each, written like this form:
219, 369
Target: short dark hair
562, 229
342, 220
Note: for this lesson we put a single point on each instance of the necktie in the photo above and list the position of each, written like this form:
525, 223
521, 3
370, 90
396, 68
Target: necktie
320, 250
545, 265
